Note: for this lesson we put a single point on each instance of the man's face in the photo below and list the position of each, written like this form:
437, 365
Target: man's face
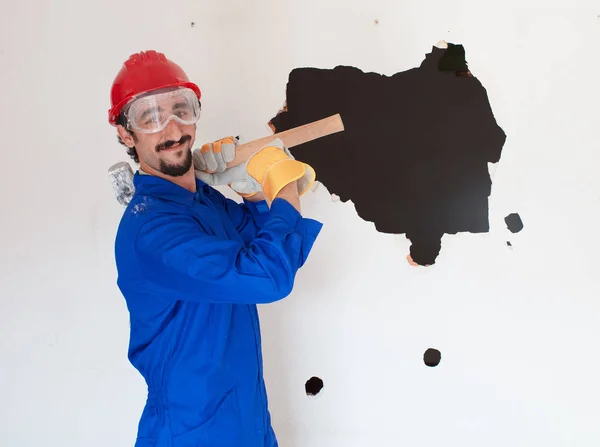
168, 151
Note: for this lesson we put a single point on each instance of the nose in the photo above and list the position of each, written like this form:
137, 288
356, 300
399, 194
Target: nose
172, 131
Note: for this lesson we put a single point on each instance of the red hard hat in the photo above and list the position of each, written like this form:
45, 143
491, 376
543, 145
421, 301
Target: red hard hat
143, 72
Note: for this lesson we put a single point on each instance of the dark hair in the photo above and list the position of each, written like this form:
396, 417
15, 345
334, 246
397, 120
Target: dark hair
132, 151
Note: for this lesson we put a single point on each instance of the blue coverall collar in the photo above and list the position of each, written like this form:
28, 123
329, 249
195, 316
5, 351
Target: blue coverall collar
152, 185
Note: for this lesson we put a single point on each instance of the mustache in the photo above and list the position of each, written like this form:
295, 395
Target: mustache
168, 144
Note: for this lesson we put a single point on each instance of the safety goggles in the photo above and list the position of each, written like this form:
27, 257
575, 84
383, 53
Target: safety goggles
152, 113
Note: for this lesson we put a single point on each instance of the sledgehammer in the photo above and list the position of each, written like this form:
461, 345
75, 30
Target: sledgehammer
121, 174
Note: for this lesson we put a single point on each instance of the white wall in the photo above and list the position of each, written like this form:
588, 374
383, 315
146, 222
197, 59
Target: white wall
517, 328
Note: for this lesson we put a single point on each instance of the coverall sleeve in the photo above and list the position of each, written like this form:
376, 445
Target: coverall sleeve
247, 216
181, 261
258, 210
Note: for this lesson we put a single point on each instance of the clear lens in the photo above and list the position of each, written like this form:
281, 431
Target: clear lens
152, 113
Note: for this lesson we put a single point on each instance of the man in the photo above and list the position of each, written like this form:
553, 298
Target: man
193, 265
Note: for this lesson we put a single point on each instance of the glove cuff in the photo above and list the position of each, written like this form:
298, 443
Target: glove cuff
281, 174
307, 180
274, 168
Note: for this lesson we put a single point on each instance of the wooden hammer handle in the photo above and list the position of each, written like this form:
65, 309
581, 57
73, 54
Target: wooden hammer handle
290, 138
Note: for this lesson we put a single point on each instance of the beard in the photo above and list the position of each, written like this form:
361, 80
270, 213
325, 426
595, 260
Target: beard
179, 169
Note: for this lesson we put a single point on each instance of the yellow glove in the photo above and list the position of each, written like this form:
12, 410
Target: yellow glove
273, 167
268, 169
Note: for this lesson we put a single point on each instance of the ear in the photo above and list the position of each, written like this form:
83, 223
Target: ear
125, 136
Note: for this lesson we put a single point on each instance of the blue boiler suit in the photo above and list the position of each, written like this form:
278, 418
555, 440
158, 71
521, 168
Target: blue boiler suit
192, 267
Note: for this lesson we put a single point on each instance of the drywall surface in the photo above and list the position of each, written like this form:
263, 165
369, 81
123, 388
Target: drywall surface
515, 325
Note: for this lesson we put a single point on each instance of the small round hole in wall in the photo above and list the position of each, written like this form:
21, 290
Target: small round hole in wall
432, 357
313, 386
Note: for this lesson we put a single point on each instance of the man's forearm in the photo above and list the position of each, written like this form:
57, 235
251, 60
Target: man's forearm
258, 197
290, 193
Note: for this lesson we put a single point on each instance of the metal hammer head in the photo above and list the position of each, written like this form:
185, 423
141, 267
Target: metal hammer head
121, 178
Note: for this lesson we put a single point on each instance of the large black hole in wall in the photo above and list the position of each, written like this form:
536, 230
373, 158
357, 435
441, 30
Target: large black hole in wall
313, 386
432, 357
414, 155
